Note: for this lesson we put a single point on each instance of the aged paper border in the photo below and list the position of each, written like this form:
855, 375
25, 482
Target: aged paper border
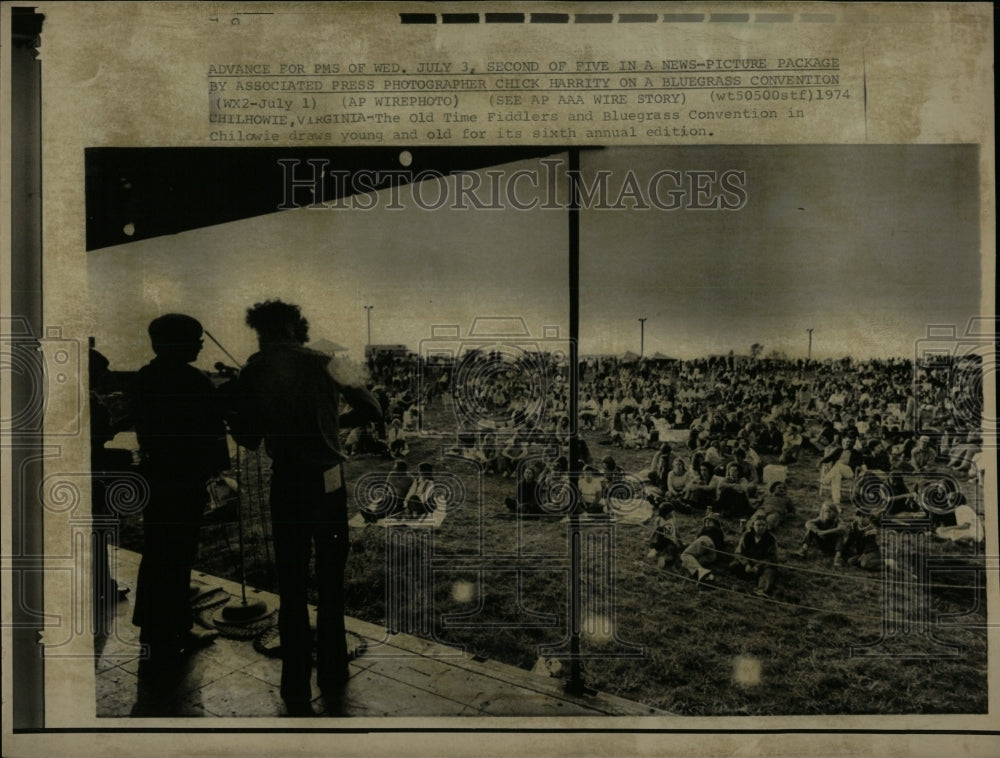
950, 101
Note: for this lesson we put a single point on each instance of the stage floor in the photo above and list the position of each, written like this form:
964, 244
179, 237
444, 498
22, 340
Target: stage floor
396, 676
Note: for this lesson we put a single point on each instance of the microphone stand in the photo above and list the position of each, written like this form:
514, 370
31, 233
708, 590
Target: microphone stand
239, 613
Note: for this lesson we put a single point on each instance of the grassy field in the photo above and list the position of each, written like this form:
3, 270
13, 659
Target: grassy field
659, 638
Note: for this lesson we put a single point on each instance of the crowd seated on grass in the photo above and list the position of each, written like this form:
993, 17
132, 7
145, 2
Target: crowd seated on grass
403, 496
851, 427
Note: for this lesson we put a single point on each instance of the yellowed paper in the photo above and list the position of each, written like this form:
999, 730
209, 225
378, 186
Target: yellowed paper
782, 181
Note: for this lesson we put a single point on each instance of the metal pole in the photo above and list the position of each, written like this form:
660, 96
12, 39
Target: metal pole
575, 683
368, 310
26, 663
642, 337
809, 355
243, 565
242, 612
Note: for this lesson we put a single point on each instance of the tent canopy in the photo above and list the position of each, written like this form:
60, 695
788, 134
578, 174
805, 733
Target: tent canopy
658, 356
326, 346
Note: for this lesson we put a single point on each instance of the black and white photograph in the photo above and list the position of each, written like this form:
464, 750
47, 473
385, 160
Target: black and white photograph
744, 486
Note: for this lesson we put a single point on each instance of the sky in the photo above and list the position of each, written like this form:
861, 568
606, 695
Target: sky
866, 245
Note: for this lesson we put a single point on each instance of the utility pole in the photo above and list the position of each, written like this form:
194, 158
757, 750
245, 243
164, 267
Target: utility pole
809, 355
368, 309
642, 336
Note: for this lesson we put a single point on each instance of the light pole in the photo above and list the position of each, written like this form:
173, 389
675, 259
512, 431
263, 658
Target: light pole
642, 336
809, 355
368, 309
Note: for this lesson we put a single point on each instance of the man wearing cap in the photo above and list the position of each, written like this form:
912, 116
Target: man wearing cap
289, 397
182, 441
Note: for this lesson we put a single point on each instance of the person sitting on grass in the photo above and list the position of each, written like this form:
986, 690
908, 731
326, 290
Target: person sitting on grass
941, 499
748, 470
677, 481
828, 437
511, 455
709, 449
960, 456
968, 529
652, 490
398, 446
465, 446
411, 418
770, 440
591, 491
859, 545
487, 453
664, 545
875, 456
612, 474
662, 462
701, 490
791, 444
555, 469
583, 455
362, 441
526, 496
419, 499
823, 532
703, 550
923, 456
757, 556
775, 506
837, 472
732, 498
636, 434
395, 430
391, 502
616, 432
695, 428
661, 426
749, 453
903, 499
589, 412
633, 501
